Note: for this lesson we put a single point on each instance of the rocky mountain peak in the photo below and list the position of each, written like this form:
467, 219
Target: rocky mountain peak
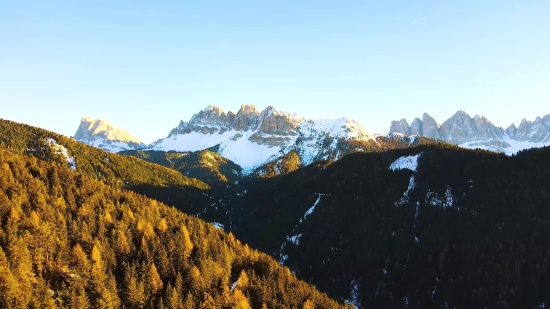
430, 128
251, 138
416, 127
480, 132
401, 126
248, 109
101, 133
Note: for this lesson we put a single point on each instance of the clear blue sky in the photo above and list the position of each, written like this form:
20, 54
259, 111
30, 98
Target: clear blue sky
144, 65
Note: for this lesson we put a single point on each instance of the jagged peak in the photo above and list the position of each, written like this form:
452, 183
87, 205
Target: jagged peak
250, 108
512, 126
100, 128
416, 120
212, 108
426, 116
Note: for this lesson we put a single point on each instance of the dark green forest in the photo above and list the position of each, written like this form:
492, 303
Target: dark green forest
485, 244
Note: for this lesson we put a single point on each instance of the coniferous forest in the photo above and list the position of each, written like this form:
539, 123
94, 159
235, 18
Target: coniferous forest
68, 241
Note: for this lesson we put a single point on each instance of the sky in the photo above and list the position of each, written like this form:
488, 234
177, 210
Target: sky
146, 65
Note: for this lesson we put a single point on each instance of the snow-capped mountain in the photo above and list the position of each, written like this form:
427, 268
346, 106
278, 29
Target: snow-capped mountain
102, 134
251, 138
479, 132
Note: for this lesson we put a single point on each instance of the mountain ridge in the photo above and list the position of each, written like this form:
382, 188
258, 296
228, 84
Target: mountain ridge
251, 138
479, 132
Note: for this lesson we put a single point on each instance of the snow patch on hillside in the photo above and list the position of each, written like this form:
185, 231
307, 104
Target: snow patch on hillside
233, 145
408, 162
110, 146
405, 198
444, 201
355, 299
509, 146
294, 239
60, 149
218, 225
310, 210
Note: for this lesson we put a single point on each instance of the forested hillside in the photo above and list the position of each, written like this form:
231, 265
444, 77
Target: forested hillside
69, 241
113, 169
458, 228
205, 165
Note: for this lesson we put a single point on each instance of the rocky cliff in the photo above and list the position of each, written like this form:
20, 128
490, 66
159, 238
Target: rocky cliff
102, 134
479, 132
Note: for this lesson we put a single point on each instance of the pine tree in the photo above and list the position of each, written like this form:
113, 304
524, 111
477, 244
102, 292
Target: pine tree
155, 283
122, 246
8, 284
135, 292
242, 282
78, 297
308, 305
22, 270
241, 302
173, 300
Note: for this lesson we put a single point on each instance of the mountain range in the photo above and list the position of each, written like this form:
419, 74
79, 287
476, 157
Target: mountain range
252, 138
479, 132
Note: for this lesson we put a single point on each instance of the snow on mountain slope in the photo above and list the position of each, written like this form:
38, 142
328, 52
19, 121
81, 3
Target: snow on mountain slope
479, 132
102, 134
60, 149
408, 162
251, 138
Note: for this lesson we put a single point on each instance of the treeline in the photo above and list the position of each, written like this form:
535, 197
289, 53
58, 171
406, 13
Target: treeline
68, 241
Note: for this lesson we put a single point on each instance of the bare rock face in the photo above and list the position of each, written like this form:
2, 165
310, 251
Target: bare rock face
511, 131
461, 129
537, 131
85, 129
429, 127
416, 127
247, 118
251, 138
523, 131
211, 115
486, 130
275, 122
401, 126
102, 134
458, 128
